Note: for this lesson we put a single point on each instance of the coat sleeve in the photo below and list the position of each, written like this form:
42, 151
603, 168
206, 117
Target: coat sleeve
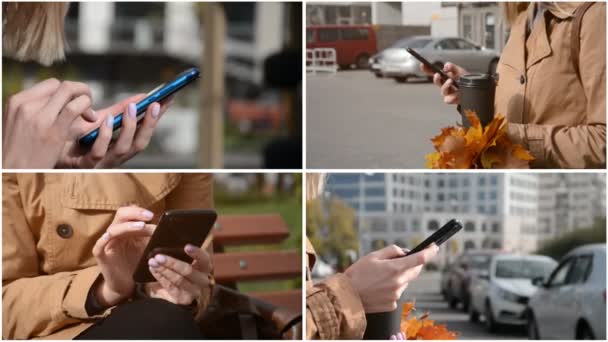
582, 146
34, 304
195, 191
333, 307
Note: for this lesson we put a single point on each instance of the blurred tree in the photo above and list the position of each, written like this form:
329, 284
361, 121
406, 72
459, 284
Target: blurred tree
332, 233
558, 247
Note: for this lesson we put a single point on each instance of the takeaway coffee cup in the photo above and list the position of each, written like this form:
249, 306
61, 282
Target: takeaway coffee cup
477, 94
381, 325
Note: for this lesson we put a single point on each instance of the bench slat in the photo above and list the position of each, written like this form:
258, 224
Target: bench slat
233, 230
267, 265
290, 298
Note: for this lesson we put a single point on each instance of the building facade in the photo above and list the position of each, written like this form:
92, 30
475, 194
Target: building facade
515, 212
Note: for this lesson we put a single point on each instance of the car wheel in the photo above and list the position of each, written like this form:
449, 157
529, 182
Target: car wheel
362, 61
491, 324
584, 332
492, 67
532, 327
473, 314
401, 79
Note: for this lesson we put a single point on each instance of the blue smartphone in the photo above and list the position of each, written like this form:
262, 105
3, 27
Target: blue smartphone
156, 95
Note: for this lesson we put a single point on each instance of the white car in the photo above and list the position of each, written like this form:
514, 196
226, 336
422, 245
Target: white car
501, 294
571, 304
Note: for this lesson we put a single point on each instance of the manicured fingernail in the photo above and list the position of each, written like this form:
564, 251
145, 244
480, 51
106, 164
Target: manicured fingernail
138, 224
160, 258
152, 262
393, 337
110, 121
155, 110
105, 236
132, 110
147, 214
190, 249
401, 337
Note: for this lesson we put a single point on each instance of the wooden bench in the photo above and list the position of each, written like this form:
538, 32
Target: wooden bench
234, 267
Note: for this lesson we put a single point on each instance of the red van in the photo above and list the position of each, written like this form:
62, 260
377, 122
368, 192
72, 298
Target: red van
354, 44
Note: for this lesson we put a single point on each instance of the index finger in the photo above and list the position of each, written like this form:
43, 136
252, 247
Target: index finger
65, 93
132, 213
416, 259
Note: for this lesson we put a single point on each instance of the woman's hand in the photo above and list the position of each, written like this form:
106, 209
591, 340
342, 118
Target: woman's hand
381, 276
131, 140
37, 122
399, 336
180, 282
450, 94
118, 251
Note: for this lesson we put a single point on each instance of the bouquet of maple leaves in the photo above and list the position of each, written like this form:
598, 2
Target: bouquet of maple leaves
422, 328
477, 147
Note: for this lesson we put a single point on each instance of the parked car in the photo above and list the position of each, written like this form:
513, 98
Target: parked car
502, 294
571, 304
354, 44
397, 63
456, 279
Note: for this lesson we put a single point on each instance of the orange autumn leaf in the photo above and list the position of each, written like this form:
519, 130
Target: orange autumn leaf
421, 328
477, 147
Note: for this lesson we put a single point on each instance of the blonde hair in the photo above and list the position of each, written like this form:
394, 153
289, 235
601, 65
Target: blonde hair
314, 185
512, 9
34, 31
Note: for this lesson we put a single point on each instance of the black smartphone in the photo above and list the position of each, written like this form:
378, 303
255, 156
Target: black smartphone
431, 66
439, 237
158, 94
174, 231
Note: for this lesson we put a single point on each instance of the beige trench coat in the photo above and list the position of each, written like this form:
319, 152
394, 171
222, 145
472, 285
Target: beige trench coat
50, 224
561, 120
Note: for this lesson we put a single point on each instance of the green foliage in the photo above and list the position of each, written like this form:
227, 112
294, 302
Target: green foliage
287, 204
332, 233
558, 247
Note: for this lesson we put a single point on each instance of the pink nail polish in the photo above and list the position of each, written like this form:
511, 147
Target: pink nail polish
155, 110
160, 258
152, 263
110, 121
132, 110
147, 214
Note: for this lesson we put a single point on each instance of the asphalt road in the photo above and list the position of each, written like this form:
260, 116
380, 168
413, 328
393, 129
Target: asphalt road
425, 292
355, 120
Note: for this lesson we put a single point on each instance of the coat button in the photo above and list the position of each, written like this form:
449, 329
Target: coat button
65, 230
522, 79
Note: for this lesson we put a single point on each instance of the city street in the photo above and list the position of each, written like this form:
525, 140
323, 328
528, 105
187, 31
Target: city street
355, 120
425, 291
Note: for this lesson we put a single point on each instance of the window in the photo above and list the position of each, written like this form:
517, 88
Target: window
466, 182
495, 227
346, 193
374, 177
440, 197
482, 180
493, 195
375, 191
433, 225
558, 278
343, 179
427, 197
467, 27
462, 44
440, 183
328, 35
446, 44
310, 36
492, 210
493, 180
469, 226
453, 183
469, 245
381, 206
481, 196
580, 270
355, 34
465, 196
489, 30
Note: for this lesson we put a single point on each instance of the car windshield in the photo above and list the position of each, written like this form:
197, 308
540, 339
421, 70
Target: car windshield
414, 43
522, 268
480, 262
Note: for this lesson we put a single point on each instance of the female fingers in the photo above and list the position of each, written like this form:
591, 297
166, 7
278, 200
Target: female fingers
127, 132
100, 146
174, 277
178, 271
132, 213
71, 111
145, 131
416, 259
120, 230
203, 261
65, 93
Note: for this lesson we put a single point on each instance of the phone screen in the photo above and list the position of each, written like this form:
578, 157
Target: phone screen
157, 94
